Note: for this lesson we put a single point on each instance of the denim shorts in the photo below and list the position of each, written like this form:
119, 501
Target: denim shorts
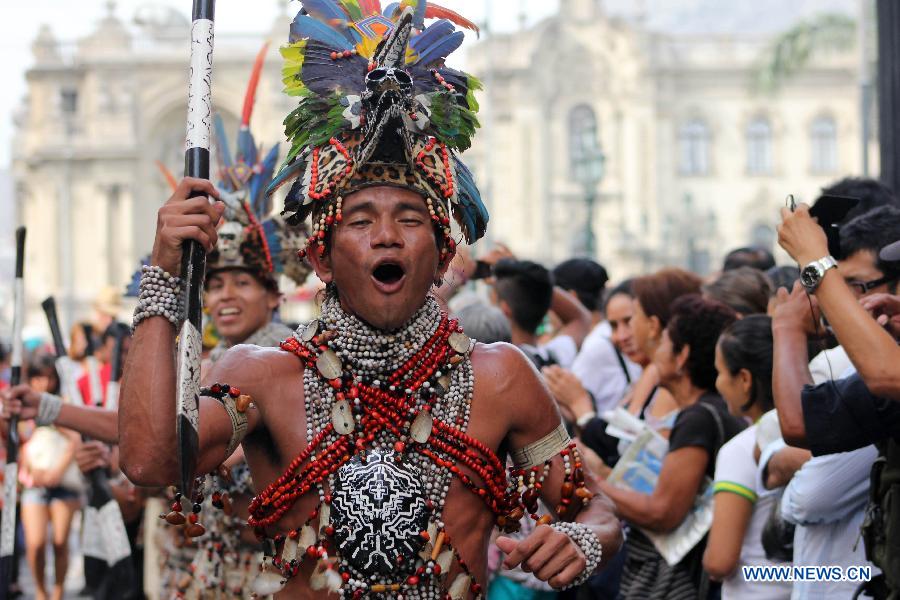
45, 495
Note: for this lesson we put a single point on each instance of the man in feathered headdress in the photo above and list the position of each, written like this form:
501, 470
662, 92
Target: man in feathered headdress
377, 434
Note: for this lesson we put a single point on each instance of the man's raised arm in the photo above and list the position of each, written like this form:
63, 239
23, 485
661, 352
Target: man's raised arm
147, 400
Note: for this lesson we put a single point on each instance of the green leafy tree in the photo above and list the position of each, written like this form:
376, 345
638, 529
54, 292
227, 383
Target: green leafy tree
791, 51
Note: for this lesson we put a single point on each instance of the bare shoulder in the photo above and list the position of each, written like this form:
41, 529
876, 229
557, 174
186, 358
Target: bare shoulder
505, 377
500, 360
256, 370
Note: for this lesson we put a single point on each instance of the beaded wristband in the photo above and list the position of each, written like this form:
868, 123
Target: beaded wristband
585, 538
160, 295
48, 409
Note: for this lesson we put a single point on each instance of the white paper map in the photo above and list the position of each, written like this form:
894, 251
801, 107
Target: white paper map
638, 470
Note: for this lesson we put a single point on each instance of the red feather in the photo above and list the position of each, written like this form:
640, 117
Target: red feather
251, 85
167, 174
433, 11
370, 7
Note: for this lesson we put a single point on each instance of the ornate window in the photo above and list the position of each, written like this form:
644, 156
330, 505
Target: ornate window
823, 143
759, 147
584, 144
693, 148
68, 101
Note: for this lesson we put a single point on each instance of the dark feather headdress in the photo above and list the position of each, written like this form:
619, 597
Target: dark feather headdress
377, 106
249, 238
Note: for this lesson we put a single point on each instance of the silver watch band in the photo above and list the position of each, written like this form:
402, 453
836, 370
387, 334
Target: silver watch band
818, 268
827, 262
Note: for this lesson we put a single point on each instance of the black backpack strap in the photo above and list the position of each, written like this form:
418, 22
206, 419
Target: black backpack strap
647, 402
720, 427
621, 363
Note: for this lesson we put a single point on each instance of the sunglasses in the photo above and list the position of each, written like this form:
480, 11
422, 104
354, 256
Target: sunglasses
863, 287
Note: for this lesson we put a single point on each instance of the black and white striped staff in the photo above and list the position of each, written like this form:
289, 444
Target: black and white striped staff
11, 472
66, 368
193, 262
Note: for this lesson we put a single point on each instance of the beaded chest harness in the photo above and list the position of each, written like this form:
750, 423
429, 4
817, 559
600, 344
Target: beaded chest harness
386, 420
386, 415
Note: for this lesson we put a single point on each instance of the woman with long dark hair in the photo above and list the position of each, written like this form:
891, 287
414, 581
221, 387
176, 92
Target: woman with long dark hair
741, 506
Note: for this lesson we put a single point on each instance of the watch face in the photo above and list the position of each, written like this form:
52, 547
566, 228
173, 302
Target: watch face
810, 276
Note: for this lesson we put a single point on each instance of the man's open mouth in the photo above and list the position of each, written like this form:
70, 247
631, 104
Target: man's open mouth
227, 312
388, 273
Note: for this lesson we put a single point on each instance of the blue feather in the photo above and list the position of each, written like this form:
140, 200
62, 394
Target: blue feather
306, 27
246, 147
418, 20
222, 141
439, 50
325, 10
133, 289
331, 13
390, 9
261, 203
472, 210
431, 34
273, 239
288, 173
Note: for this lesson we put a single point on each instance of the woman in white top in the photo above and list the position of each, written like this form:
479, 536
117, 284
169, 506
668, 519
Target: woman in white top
741, 506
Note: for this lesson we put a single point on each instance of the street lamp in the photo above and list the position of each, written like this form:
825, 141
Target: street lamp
587, 166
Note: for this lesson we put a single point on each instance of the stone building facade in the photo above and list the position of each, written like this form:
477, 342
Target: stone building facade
695, 162
98, 114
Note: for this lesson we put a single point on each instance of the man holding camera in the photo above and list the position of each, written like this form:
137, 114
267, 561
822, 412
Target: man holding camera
850, 413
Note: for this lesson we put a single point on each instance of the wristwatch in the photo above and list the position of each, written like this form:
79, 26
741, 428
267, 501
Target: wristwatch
812, 274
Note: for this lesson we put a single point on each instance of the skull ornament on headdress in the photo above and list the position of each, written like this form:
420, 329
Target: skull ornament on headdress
377, 106
249, 238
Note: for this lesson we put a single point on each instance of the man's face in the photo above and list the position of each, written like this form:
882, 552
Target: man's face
238, 304
619, 312
860, 268
383, 257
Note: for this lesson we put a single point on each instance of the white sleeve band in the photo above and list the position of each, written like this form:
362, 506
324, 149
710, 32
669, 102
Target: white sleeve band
539, 452
48, 409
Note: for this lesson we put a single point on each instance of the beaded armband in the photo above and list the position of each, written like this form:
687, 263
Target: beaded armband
160, 295
529, 479
589, 544
236, 405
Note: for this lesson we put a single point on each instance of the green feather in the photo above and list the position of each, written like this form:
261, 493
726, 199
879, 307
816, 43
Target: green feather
292, 69
353, 9
452, 123
473, 84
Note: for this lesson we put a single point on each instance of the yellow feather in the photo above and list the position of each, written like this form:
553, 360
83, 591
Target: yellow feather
366, 48
293, 55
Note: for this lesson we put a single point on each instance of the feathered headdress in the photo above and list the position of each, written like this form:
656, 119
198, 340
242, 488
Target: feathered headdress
377, 106
249, 238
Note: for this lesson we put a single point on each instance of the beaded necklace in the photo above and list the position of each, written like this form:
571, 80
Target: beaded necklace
386, 420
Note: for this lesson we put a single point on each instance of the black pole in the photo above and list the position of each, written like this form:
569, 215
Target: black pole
888, 12
11, 471
193, 264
